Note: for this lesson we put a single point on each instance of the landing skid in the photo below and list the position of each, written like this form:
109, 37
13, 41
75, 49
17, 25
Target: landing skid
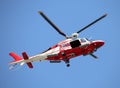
67, 61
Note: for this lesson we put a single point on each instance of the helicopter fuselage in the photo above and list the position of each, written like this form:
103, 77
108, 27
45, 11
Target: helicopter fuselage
70, 48
67, 49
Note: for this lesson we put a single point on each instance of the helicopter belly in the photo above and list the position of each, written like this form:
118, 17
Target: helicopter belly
38, 57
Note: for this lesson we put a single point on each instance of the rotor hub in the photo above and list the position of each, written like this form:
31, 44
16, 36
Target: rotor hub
75, 35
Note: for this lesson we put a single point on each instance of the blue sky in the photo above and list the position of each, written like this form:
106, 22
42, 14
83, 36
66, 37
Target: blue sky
23, 29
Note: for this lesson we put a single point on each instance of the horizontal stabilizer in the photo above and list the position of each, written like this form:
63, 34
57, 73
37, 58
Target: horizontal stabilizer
25, 56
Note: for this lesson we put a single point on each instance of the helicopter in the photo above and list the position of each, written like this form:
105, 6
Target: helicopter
65, 50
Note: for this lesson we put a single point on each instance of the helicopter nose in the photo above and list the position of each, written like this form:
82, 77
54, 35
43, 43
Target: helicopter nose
98, 43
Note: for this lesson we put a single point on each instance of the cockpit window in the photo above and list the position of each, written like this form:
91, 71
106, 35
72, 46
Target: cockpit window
75, 43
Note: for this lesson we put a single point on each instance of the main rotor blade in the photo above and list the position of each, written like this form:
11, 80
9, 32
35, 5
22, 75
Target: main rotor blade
52, 24
92, 23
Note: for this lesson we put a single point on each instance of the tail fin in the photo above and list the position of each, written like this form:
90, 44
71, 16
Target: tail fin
18, 59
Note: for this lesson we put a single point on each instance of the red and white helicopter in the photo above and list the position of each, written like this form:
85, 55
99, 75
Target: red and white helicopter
63, 51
